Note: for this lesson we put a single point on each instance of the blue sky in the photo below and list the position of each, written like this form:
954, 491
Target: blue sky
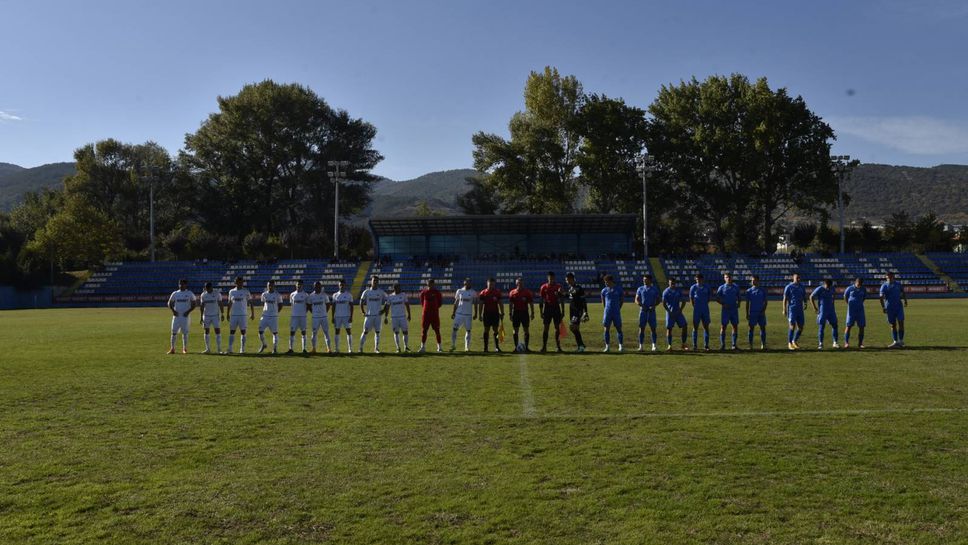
429, 74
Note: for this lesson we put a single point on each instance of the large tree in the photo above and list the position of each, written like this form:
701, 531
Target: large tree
613, 136
262, 160
535, 171
743, 154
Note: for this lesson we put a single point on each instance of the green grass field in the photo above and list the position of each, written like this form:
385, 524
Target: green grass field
105, 439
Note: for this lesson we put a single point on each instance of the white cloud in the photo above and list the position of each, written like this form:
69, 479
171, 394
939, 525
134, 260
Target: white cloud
918, 135
7, 116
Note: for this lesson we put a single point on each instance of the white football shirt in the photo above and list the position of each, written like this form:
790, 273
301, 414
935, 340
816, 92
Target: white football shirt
209, 300
182, 301
298, 301
341, 304
318, 302
465, 301
239, 301
375, 299
398, 308
271, 300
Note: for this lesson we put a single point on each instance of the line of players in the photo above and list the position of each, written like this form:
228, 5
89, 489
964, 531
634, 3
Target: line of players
488, 307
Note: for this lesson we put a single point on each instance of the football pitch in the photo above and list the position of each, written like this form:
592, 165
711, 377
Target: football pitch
104, 438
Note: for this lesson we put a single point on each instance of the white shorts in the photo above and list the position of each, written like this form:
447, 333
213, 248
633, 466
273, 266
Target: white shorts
342, 322
374, 323
399, 323
269, 322
213, 322
238, 322
297, 323
179, 323
320, 322
464, 321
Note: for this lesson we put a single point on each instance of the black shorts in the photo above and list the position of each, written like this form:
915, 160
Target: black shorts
491, 319
551, 314
575, 316
520, 318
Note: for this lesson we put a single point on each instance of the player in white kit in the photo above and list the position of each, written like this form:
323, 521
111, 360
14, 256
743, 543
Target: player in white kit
464, 314
318, 303
343, 316
181, 303
240, 310
398, 313
298, 301
271, 306
212, 315
372, 303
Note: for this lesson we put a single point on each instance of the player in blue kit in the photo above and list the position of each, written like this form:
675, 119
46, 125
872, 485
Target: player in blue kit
855, 295
756, 310
794, 303
822, 300
699, 296
673, 303
728, 297
647, 298
612, 300
892, 294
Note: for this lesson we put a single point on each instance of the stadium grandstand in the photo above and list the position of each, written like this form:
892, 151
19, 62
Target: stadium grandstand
148, 284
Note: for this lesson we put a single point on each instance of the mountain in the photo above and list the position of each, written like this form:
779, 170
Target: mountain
16, 180
439, 190
877, 191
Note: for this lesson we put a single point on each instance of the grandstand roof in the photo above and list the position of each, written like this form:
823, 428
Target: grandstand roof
496, 224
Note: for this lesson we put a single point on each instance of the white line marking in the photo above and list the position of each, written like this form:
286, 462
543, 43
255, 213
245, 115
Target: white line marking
527, 396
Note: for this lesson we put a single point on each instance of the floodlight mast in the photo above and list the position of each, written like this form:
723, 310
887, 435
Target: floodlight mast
337, 170
840, 164
646, 165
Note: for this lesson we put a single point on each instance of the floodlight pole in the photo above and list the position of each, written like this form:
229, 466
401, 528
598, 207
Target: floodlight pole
839, 164
337, 171
645, 164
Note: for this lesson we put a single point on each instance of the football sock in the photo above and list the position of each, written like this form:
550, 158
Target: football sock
262, 337
705, 338
312, 340
218, 342
485, 341
362, 340
231, 340
608, 337
790, 336
894, 334
734, 338
669, 338
467, 340
349, 341
208, 341
846, 336
620, 337
751, 336
860, 336
173, 337
722, 340
453, 338
406, 339
695, 338
396, 340
833, 332
900, 335
515, 337
796, 336
653, 336
292, 340
242, 343
763, 336
641, 336
376, 340
304, 341
684, 336
336, 339
275, 341
184, 341
579, 340
820, 334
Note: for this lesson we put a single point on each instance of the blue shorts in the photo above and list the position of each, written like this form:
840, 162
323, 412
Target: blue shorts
757, 319
828, 318
729, 316
647, 318
856, 317
700, 315
673, 320
612, 318
895, 314
795, 315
